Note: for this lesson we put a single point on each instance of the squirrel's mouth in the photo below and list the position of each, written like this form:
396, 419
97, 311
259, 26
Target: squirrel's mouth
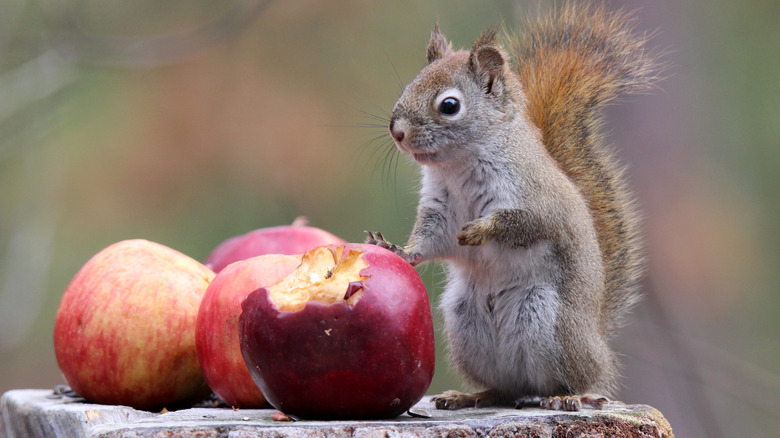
429, 158
424, 158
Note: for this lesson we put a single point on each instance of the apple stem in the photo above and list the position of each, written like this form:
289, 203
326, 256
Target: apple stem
353, 287
300, 221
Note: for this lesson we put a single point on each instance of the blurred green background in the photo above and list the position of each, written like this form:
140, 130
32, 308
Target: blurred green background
188, 122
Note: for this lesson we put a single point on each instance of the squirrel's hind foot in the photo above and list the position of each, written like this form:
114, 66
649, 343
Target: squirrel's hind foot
453, 400
572, 403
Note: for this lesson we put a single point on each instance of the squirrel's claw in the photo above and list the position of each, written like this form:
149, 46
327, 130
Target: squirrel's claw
453, 400
572, 402
474, 233
596, 401
561, 403
376, 238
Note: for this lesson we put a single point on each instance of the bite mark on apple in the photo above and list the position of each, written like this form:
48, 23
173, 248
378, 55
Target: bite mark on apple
325, 273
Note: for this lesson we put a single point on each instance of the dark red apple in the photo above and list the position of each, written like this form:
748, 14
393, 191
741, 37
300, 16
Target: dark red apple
347, 335
216, 329
125, 327
284, 239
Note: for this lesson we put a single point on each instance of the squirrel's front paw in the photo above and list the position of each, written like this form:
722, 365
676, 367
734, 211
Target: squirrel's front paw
376, 238
475, 233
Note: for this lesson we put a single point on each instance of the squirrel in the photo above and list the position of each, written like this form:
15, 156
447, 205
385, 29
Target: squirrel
526, 204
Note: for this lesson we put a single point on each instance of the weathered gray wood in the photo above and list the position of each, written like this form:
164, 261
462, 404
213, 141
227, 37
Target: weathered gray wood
28, 413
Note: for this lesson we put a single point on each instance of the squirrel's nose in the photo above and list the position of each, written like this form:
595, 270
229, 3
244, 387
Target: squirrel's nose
396, 131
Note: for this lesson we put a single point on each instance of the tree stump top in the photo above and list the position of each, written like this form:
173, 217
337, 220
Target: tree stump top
32, 413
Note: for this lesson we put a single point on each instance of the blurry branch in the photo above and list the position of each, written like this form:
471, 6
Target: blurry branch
56, 67
11, 18
693, 395
29, 104
158, 50
734, 378
24, 266
700, 373
34, 80
28, 97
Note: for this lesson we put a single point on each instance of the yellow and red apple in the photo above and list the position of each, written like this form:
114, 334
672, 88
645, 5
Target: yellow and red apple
124, 332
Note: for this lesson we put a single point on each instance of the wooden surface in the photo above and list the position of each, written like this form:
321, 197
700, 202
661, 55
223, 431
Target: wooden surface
31, 413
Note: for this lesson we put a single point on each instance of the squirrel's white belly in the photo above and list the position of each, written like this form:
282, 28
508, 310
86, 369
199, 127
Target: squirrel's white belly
500, 310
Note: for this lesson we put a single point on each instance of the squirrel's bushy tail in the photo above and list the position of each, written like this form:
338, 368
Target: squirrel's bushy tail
571, 63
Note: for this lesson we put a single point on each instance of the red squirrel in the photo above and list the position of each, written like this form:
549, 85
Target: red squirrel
526, 204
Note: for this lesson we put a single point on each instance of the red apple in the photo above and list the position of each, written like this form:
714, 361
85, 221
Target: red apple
216, 330
125, 328
347, 335
284, 239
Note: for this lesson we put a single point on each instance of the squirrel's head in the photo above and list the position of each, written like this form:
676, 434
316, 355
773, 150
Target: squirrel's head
455, 102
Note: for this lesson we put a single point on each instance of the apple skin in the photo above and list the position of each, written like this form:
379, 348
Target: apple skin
282, 239
369, 361
124, 332
216, 331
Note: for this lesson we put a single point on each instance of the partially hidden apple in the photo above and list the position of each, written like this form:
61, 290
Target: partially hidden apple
347, 335
283, 239
216, 331
124, 332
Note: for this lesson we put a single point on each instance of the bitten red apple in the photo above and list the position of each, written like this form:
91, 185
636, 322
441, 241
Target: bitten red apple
125, 327
284, 239
216, 331
347, 335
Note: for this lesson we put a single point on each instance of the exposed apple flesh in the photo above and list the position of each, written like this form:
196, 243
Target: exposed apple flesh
324, 275
348, 334
216, 331
125, 327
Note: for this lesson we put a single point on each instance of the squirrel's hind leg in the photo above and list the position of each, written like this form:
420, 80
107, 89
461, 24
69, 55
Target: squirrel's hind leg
453, 400
572, 402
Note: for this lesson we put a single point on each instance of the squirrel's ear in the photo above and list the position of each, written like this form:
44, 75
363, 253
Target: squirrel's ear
438, 47
487, 62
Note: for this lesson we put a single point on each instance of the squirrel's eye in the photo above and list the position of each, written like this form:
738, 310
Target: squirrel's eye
449, 106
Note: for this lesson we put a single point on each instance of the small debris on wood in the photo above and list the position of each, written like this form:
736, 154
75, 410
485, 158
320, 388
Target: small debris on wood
280, 416
61, 391
418, 413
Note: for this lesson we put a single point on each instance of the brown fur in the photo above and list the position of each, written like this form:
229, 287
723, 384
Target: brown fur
438, 47
571, 63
